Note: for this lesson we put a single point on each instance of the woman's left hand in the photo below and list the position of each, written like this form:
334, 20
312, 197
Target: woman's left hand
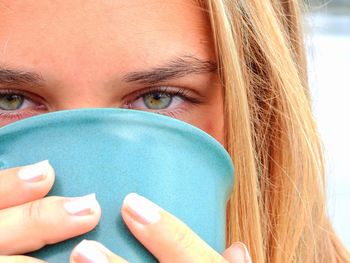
166, 237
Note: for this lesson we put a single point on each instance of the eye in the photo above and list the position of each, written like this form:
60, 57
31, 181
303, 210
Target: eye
161, 99
9, 102
16, 105
157, 100
12, 102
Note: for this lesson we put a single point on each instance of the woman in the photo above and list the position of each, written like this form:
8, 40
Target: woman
235, 69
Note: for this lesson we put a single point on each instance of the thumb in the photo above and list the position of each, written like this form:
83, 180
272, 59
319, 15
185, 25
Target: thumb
165, 236
237, 253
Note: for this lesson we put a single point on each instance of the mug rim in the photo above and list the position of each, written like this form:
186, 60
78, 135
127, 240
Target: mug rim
100, 113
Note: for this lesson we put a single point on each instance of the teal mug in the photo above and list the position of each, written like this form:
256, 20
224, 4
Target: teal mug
113, 152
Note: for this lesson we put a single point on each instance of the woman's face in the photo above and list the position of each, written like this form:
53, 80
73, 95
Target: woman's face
147, 55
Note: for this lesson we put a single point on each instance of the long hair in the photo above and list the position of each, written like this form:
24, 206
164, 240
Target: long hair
278, 203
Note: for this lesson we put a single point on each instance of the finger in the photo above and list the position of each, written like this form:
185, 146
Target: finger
24, 184
46, 221
166, 237
19, 259
237, 253
93, 252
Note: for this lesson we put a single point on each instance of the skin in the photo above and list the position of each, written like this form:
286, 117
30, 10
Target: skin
84, 54
84, 49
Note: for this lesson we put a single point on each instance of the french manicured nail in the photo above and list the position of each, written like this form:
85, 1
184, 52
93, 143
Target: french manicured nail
141, 209
86, 252
81, 206
35, 172
239, 247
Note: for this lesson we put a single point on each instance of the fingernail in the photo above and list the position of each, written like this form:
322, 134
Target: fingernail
86, 252
142, 209
35, 172
240, 248
80, 206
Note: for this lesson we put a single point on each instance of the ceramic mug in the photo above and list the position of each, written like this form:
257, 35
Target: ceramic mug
113, 152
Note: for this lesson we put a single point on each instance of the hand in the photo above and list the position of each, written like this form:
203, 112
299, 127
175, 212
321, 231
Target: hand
27, 219
167, 238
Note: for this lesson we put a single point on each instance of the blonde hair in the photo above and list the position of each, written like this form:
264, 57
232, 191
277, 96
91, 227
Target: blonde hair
278, 203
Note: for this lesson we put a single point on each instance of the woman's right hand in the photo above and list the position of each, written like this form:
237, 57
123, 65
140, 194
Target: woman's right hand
29, 220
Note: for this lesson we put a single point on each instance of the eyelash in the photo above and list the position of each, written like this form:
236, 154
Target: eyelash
15, 92
180, 92
20, 115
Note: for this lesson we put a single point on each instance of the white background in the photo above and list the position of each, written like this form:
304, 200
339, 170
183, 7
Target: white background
328, 42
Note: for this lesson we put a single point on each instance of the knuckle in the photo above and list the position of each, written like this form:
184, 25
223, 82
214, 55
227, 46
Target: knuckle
32, 214
183, 237
33, 221
186, 240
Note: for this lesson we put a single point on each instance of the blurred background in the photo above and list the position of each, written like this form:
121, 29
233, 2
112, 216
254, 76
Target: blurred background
327, 37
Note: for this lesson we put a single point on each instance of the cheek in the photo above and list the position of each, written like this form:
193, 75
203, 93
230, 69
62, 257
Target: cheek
210, 117
215, 129
211, 120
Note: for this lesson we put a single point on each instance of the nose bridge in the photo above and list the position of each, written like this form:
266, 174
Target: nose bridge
76, 96
84, 102
71, 106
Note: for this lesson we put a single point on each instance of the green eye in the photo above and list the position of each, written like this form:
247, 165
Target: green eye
11, 102
157, 101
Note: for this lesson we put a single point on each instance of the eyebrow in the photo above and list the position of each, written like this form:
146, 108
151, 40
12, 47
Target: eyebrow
13, 77
177, 68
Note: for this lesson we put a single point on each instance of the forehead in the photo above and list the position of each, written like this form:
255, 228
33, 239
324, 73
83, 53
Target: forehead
101, 30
